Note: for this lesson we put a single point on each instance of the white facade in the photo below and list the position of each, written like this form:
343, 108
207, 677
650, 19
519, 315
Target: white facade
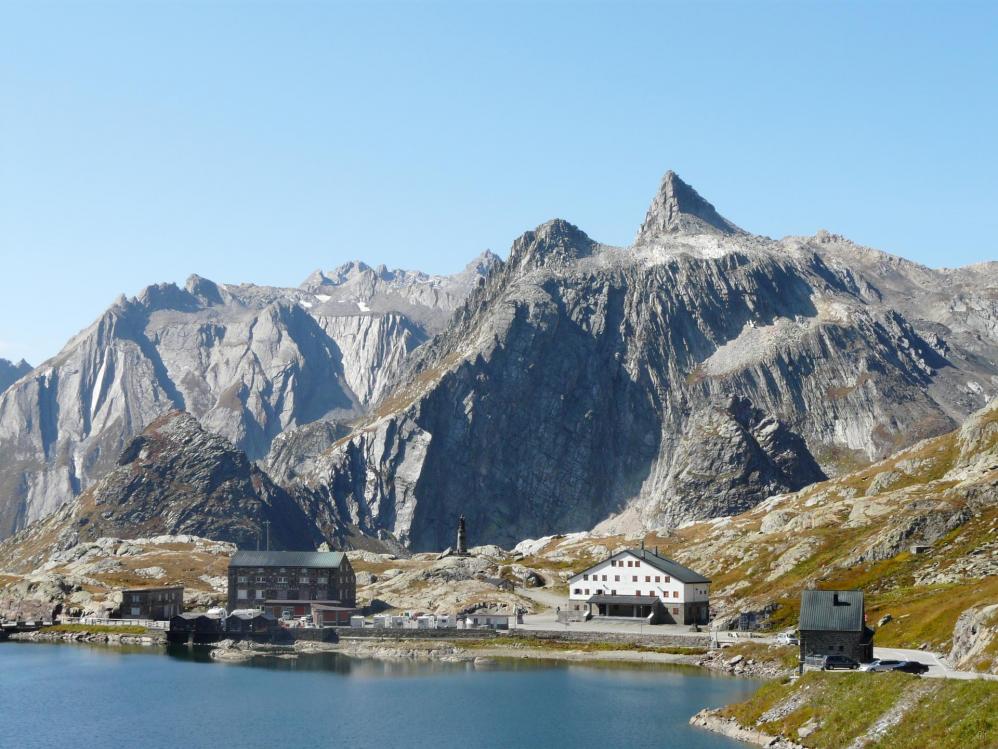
641, 573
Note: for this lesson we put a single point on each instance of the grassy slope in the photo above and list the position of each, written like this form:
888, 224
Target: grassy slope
834, 522
944, 714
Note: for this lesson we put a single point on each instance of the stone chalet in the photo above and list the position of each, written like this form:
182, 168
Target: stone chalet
833, 622
291, 584
161, 604
640, 584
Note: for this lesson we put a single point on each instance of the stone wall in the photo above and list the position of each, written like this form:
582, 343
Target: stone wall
652, 639
849, 644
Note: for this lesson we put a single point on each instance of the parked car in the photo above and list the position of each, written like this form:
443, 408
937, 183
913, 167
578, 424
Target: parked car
908, 667
787, 638
835, 662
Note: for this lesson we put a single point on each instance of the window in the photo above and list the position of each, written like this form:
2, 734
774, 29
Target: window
657, 579
637, 592
613, 592
585, 577
616, 578
675, 594
604, 578
613, 562
241, 579
675, 610
577, 591
259, 595
241, 594
282, 579
647, 578
634, 578
587, 591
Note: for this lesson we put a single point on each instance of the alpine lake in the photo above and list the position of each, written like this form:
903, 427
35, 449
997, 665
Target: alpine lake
62, 695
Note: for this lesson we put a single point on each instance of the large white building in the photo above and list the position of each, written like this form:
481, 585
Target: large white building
640, 584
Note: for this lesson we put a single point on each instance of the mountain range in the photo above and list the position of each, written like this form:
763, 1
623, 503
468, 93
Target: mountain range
576, 385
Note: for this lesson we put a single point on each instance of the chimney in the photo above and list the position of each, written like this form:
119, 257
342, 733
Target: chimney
656, 551
835, 599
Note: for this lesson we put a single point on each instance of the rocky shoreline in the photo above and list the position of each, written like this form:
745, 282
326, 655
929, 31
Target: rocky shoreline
90, 638
716, 723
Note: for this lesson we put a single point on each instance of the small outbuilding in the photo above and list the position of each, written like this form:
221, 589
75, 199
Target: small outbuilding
251, 623
833, 622
196, 626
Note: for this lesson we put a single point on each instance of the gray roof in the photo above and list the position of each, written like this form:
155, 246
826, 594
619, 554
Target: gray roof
831, 610
668, 566
318, 559
637, 600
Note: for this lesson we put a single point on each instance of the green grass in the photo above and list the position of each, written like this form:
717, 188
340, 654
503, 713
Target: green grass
948, 714
95, 629
953, 715
785, 656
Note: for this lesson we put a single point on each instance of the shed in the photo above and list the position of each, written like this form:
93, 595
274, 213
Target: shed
833, 622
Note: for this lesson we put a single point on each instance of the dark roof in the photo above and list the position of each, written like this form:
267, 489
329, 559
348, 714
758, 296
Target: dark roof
192, 615
640, 600
668, 566
319, 559
302, 601
831, 610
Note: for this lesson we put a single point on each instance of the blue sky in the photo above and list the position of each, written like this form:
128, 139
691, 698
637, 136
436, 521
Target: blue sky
141, 141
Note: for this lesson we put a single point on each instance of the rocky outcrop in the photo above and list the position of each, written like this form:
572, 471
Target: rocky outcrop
177, 478
975, 640
11, 372
731, 456
247, 361
580, 385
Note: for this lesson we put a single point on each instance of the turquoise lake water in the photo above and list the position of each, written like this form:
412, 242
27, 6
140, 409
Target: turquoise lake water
76, 695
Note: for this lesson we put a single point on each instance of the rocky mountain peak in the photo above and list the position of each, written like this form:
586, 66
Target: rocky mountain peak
484, 264
679, 209
554, 242
11, 372
207, 292
177, 477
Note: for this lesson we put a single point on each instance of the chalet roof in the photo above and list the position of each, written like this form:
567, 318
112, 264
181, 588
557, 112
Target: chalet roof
668, 566
317, 559
626, 600
831, 610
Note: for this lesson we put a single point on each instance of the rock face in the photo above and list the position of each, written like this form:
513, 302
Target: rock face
11, 372
580, 384
731, 456
177, 478
247, 361
975, 631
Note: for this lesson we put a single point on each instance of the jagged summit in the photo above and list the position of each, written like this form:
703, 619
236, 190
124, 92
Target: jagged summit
551, 242
11, 372
679, 209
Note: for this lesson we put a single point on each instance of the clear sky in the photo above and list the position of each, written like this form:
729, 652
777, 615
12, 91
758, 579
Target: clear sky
141, 141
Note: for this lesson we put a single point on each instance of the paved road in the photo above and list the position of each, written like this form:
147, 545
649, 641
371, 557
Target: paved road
938, 667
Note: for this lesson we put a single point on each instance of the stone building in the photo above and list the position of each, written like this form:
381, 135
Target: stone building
641, 584
833, 622
291, 584
160, 604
